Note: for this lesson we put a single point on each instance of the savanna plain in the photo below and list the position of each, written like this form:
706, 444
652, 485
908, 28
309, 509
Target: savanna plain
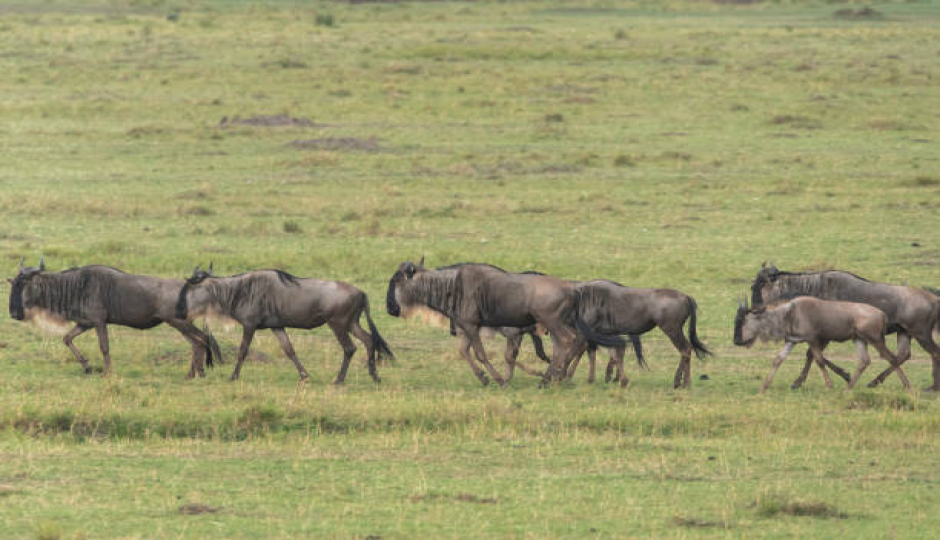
659, 144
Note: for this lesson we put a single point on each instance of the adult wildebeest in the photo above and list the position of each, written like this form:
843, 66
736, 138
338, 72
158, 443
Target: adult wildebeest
608, 307
96, 296
482, 295
277, 300
816, 322
911, 312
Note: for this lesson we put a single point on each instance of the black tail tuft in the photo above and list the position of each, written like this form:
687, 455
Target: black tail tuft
697, 345
638, 349
603, 340
381, 348
213, 349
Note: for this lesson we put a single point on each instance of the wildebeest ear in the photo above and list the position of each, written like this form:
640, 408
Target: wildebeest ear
763, 265
20, 267
421, 262
409, 270
42, 262
210, 267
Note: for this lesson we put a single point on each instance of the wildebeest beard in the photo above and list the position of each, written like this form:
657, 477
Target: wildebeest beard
16, 300
67, 293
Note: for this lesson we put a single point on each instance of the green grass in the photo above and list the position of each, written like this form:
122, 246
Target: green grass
664, 144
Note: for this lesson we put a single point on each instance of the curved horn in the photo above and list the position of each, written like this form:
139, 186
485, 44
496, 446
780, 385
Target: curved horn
421, 262
42, 262
196, 269
210, 267
20, 268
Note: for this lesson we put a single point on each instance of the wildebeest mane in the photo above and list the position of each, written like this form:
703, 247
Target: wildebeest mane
284, 277
439, 291
456, 266
68, 293
249, 289
797, 284
595, 307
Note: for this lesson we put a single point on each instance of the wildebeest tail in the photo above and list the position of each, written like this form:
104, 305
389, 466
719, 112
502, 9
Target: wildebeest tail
381, 348
213, 349
699, 347
638, 350
603, 340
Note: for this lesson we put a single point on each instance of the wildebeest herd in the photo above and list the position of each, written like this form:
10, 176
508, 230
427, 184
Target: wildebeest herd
470, 298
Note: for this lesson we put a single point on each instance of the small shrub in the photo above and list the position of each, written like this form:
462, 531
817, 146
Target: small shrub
292, 227
324, 19
554, 118
624, 161
773, 505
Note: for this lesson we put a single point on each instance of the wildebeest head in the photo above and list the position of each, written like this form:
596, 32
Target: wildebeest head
192, 293
406, 273
764, 283
764, 322
21, 290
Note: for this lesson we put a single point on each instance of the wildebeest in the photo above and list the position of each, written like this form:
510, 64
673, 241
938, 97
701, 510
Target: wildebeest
816, 322
911, 312
277, 300
482, 295
96, 296
608, 307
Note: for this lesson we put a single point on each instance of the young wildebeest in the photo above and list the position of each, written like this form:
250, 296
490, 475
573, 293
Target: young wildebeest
911, 312
96, 296
816, 322
611, 308
277, 300
481, 295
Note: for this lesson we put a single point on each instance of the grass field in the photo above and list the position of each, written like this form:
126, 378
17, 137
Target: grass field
663, 144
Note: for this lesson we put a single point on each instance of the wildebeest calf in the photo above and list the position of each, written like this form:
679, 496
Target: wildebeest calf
277, 300
816, 322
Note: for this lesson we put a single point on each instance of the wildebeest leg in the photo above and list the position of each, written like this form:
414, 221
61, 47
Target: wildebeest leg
349, 349
247, 334
781, 356
861, 348
288, 349
904, 352
805, 372
818, 356
465, 352
73, 333
879, 345
513, 342
571, 365
539, 348
809, 363
933, 349
473, 334
102, 331
617, 357
199, 349
563, 340
683, 376
366, 340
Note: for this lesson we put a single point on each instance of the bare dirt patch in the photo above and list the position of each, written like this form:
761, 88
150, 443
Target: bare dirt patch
267, 120
347, 144
193, 509
864, 14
